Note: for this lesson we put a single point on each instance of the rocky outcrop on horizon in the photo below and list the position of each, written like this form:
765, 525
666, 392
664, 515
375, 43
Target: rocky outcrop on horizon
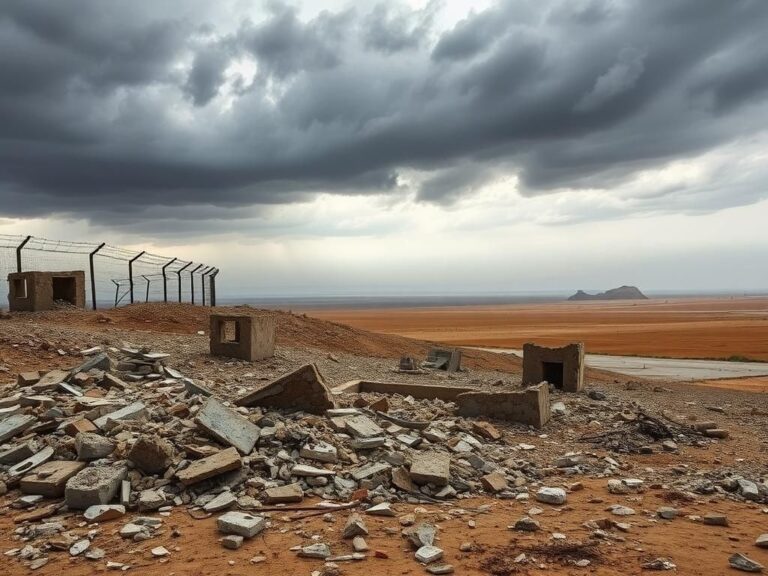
620, 293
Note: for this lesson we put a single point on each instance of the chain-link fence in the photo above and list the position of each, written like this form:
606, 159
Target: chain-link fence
113, 276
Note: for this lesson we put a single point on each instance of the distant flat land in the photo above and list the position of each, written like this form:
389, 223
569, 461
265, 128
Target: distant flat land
716, 328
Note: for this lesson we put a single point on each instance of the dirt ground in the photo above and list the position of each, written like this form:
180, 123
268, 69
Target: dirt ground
38, 341
715, 328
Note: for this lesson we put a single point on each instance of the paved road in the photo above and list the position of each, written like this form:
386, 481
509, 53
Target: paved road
668, 368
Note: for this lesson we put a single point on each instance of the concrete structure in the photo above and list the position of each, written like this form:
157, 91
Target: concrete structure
561, 367
241, 336
36, 291
448, 359
303, 389
529, 406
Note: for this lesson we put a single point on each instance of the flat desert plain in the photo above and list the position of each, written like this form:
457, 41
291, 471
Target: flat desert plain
714, 328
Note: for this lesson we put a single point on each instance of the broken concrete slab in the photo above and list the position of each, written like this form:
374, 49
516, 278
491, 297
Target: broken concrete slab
95, 485
321, 452
135, 411
431, 468
303, 389
50, 381
205, 468
284, 494
311, 471
104, 512
15, 425
370, 470
227, 426
50, 478
363, 427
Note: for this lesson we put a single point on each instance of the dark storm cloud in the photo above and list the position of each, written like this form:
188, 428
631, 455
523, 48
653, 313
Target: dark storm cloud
110, 109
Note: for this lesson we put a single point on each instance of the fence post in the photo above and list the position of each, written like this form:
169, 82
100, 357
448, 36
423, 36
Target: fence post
178, 275
130, 270
192, 282
146, 298
213, 286
205, 272
117, 290
93, 275
165, 280
18, 252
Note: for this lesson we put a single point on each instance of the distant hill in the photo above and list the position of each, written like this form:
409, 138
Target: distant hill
621, 293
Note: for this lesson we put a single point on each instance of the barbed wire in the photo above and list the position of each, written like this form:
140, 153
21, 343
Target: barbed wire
155, 277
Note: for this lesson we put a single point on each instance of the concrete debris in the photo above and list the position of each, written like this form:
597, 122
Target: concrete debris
241, 524
745, 564
213, 465
556, 496
91, 446
227, 426
304, 389
104, 512
95, 485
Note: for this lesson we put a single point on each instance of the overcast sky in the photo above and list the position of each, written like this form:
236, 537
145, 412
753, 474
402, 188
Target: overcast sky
375, 147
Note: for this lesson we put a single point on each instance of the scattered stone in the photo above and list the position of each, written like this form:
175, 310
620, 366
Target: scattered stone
762, 541
151, 454
160, 552
104, 512
659, 564
715, 519
79, 547
556, 496
321, 452
427, 554
667, 513
49, 479
232, 542
527, 524
383, 509
494, 482
359, 544
355, 526
745, 564
135, 411
150, 500
440, 569
319, 550
284, 494
91, 446
241, 524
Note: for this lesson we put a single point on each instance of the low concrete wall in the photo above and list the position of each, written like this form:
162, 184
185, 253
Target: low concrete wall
529, 406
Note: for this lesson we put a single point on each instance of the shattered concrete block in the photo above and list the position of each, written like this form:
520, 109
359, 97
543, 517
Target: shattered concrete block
227, 426
355, 526
15, 425
363, 427
135, 411
50, 478
27, 378
151, 500
241, 524
431, 468
50, 381
151, 454
214, 465
221, 502
321, 452
284, 494
303, 389
104, 512
95, 485
99, 362
92, 446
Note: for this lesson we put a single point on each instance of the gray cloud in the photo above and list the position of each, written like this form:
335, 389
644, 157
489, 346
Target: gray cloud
114, 109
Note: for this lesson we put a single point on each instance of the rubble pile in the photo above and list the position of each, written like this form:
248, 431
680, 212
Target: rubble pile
123, 432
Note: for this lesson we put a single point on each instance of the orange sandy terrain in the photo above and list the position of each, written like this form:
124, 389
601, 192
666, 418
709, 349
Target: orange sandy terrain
715, 328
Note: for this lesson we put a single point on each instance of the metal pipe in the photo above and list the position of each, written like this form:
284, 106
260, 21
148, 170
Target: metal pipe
18, 252
117, 289
93, 275
165, 280
192, 282
178, 275
130, 270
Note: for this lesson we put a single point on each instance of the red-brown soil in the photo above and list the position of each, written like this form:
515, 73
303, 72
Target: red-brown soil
675, 328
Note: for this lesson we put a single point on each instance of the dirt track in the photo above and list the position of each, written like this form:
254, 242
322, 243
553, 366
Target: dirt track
715, 328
